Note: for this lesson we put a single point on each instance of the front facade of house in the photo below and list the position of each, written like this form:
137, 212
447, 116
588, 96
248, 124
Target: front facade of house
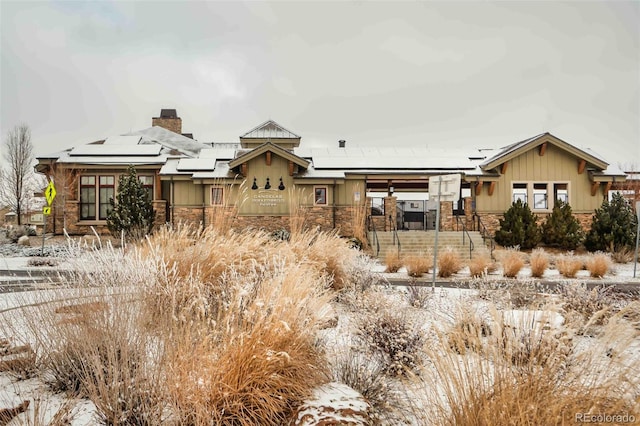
269, 180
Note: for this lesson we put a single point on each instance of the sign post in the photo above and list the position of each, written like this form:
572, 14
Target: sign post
635, 257
451, 193
49, 194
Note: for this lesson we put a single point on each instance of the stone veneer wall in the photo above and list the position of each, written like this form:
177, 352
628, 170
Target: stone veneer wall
492, 221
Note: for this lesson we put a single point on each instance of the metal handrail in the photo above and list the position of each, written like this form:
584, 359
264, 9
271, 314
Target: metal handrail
484, 232
394, 230
372, 226
464, 231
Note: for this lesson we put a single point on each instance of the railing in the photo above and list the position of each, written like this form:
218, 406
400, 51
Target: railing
372, 227
465, 232
394, 230
484, 232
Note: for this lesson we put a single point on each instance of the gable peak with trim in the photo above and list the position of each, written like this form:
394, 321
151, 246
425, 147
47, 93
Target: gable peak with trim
270, 131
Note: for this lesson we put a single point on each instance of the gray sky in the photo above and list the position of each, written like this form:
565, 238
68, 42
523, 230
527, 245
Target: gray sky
462, 74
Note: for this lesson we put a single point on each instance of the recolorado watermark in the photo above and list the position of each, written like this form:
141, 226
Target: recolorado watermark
605, 418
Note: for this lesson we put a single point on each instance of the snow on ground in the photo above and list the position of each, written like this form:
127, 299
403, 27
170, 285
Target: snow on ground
14, 391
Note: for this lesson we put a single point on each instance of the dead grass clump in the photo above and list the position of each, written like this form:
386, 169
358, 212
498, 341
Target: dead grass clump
512, 262
366, 375
419, 296
585, 308
394, 337
418, 265
598, 264
568, 265
467, 332
539, 261
259, 361
449, 262
527, 372
479, 266
392, 261
623, 255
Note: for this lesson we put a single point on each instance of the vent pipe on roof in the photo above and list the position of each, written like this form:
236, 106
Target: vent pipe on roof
342, 143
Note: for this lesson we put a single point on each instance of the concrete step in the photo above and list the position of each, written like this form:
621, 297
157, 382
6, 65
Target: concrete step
416, 242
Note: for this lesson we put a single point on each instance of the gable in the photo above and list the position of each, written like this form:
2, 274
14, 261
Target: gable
268, 149
540, 144
270, 131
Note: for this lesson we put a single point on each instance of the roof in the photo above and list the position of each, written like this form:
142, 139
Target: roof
386, 158
169, 139
268, 146
270, 130
516, 149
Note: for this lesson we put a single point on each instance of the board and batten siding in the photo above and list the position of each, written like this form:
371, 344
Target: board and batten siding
555, 166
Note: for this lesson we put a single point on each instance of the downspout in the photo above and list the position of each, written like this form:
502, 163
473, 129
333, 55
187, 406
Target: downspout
333, 203
171, 197
203, 206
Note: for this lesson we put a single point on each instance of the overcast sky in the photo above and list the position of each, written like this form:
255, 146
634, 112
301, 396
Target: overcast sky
464, 74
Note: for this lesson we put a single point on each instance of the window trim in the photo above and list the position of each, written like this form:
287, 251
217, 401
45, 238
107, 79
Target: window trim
551, 189
220, 197
324, 188
100, 186
89, 204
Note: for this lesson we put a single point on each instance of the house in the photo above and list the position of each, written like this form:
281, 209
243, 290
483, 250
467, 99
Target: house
268, 178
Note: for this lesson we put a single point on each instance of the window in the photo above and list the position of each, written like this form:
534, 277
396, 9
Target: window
96, 192
540, 193
540, 196
87, 198
560, 192
520, 192
377, 206
107, 192
147, 184
320, 195
217, 196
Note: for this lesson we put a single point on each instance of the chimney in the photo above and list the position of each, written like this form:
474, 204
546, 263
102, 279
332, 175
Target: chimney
342, 143
169, 120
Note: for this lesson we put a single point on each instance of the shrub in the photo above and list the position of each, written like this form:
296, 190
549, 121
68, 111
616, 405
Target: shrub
568, 265
518, 227
132, 213
448, 263
613, 226
561, 229
479, 266
395, 338
593, 307
418, 265
598, 264
539, 261
512, 262
392, 261
467, 332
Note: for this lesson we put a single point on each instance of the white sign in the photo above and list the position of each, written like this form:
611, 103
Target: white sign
444, 187
638, 210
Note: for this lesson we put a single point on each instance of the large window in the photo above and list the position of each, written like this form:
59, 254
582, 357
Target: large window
96, 192
540, 196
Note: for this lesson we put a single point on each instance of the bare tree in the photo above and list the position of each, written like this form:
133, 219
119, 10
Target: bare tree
15, 188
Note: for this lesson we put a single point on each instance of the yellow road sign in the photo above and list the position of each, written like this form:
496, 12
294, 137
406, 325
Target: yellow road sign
46, 210
50, 193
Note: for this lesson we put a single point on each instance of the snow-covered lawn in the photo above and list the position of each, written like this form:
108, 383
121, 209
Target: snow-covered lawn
412, 377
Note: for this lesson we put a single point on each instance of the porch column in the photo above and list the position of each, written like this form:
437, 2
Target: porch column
389, 211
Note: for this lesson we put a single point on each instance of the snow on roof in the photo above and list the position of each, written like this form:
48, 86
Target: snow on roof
113, 150
170, 140
195, 164
270, 129
122, 140
384, 158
